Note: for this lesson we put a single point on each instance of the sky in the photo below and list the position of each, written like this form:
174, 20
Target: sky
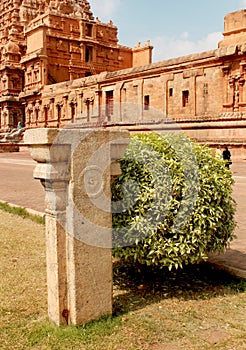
175, 28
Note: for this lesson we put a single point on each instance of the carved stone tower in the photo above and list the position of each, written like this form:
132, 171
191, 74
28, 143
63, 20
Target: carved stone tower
11, 75
49, 41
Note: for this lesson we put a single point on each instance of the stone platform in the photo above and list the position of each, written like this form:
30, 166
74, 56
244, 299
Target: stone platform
9, 147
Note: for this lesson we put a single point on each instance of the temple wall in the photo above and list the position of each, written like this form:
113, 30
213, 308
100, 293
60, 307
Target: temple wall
69, 68
152, 93
206, 101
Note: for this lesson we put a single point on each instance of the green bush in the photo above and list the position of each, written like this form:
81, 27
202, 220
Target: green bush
172, 204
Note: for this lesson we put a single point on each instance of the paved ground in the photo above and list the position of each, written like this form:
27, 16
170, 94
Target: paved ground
234, 259
17, 186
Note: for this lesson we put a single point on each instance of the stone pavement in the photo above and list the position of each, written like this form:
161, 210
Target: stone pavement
234, 260
18, 187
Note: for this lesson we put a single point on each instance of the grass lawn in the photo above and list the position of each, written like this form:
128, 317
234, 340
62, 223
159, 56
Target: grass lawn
195, 308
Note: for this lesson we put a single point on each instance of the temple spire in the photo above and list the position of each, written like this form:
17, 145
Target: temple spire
31, 9
80, 8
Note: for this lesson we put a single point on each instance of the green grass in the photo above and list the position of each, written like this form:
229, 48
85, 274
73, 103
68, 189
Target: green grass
195, 308
22, 212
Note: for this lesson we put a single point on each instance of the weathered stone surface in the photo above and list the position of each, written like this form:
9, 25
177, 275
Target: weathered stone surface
78, 218
40, 136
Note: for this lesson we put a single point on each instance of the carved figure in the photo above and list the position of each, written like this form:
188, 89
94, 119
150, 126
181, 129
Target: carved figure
14, 135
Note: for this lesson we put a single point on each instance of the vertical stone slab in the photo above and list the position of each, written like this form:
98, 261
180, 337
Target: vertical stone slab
75, 167
89, 222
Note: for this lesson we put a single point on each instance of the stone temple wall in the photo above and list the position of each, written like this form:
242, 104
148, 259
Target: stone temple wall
69, 68
207, 100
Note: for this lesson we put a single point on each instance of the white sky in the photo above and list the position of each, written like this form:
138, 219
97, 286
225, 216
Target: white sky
175, 28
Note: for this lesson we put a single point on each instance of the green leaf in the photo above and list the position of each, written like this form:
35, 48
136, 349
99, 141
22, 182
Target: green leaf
183, 208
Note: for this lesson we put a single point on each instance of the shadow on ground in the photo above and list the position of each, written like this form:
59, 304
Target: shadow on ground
137, 287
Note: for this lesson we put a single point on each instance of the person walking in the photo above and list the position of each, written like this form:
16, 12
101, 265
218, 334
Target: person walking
227, 157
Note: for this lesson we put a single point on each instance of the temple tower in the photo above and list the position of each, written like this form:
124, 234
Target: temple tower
44, 42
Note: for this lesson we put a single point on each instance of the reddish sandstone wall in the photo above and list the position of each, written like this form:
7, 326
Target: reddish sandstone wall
68, 67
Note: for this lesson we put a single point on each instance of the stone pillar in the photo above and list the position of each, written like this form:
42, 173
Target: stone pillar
75, 167
52, 160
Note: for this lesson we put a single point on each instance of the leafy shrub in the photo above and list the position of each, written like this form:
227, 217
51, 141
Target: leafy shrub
172, 204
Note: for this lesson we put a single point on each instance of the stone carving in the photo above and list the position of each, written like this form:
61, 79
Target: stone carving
78, 8
14, 136
92, 180
30, 9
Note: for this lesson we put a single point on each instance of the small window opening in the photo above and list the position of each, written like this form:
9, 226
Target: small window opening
146, 102
88, 29
185, 98
58, 114
109, 103
88, 54
170, 92
46, 115
36, 116
72, 111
